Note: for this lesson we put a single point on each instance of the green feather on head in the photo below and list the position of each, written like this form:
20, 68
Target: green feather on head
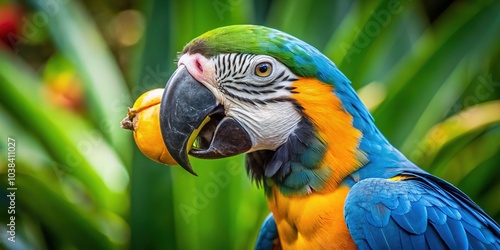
297, 55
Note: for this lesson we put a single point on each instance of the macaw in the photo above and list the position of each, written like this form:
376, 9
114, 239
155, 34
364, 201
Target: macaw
331, 179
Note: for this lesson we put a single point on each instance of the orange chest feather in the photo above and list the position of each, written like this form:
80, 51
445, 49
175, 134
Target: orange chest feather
315, 221
334, 126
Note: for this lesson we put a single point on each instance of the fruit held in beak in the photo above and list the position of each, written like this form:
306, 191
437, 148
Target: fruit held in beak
184, 118
143, 120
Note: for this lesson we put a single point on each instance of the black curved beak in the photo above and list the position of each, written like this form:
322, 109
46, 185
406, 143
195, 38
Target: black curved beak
190, 113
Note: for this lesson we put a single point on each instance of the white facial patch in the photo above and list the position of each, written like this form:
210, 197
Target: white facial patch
270, 125
260, 102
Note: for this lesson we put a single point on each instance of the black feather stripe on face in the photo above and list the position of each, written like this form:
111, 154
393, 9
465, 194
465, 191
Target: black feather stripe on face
232, 75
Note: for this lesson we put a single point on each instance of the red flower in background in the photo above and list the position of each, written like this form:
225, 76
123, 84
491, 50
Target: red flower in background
10, 24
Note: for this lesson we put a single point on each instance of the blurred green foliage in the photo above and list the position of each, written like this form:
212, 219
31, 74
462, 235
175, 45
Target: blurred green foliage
68, 71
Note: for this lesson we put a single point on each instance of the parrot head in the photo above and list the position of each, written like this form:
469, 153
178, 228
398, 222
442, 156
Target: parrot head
256, 90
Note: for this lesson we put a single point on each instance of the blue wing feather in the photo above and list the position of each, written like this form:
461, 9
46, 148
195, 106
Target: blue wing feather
417, 241
422, 212
435, 216
446, 233
407, 221
267, 235
379, 215
404, 237
433, 240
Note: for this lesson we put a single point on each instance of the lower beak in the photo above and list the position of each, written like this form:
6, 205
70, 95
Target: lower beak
190, 113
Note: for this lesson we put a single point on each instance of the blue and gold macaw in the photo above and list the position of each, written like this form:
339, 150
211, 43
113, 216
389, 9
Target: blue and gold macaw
332, 180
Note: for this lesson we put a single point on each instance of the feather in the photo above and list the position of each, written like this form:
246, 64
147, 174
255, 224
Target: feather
268, 234
415, 221
378, 215
433, 219
435, 216
433, 239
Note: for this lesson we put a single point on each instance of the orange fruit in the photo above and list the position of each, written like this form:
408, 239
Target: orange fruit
144, 120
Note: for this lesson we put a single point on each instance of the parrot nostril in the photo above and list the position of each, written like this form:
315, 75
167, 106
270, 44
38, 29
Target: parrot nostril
198, 64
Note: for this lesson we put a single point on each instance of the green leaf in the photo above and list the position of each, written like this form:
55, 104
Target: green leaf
433, 60
77, 37
78, 147
77, 229
444, 142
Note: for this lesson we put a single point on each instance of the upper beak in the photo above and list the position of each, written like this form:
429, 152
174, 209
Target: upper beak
190, 113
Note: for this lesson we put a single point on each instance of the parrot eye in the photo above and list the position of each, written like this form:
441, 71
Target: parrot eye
263, 69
